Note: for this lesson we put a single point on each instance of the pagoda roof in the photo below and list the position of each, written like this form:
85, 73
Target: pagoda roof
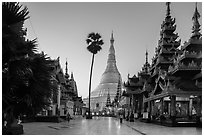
180, 69
191, 42
197, 76
133, 82
176, 93
60, 77
147, 87
186, 85
173, 90
132, 92
136, 91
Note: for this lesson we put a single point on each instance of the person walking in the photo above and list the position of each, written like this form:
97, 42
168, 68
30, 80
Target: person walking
121, 118
68, 117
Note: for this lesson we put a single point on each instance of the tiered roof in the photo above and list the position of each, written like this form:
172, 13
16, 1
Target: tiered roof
183, 65
167, 45
191, 57
71, 92
166, 75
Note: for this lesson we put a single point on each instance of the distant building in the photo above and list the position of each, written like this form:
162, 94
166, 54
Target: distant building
134, 91
65, 99
108, 84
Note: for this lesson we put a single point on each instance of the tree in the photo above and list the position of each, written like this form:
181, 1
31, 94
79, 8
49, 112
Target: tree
94, 42
26, 74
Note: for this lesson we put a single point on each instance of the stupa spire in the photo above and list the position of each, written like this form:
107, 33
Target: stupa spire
146, 55
111, 63
112, 39
109, 81
112, 50
168, 8
72, 75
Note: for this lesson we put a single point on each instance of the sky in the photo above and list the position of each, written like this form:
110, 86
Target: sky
62, 29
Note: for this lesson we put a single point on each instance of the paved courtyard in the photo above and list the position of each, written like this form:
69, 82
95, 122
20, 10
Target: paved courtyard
105, 126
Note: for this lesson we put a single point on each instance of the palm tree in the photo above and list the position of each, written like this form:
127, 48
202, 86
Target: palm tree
94, 42
26, 74
14, 51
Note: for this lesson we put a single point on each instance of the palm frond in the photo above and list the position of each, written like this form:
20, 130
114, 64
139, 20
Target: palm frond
88, 41
94, 42
12, 13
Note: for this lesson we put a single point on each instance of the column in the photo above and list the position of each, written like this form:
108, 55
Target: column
131, 117
162, 106
139, 106
132, 104
198, 110
149, 110
143, 107
190, 106
152, 108
173, 109
53, 110
58, 100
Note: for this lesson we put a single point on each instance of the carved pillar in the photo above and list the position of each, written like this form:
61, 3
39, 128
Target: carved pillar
134, 103
149, 109
173, 109
162, 106
58, 100
139, 106
190, 105
131, 118
129, 108
152, 108
142, 105
199, 109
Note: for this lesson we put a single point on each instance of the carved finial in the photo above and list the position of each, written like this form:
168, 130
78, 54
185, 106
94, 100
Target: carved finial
66, 69
146, 63
146, 56
72, 75
196, 25
168, 8
112, 39
196, 14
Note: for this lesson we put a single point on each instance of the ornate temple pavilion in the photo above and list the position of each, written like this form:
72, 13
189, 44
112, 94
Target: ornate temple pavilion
172, 87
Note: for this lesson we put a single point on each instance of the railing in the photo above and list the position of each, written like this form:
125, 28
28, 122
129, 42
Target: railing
163, 60
169, 42
169, 36
191, 41
191, 66
187, 54
199, 54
